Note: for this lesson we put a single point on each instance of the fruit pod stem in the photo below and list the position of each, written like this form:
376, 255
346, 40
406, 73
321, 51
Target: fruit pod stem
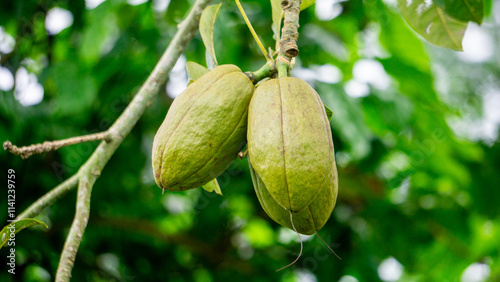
289, 35
282, 65
266, 70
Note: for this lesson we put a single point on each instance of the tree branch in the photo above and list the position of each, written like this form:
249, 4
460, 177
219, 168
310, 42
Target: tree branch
133, 112
91, 170
289, 35
78, 226
47, 146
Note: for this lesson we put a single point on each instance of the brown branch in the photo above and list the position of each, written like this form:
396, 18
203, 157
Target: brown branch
27, 151
289, 34
93, 167
133, 112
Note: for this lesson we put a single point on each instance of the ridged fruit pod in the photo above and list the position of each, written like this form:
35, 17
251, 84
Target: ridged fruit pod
203, 131
290, 143
306, 222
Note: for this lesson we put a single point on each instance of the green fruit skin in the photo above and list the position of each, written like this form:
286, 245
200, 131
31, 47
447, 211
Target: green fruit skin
203, 131
309, 220
290, 142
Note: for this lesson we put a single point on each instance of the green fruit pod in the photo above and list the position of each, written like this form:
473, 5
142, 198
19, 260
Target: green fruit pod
290, 143
306, 222
203, 131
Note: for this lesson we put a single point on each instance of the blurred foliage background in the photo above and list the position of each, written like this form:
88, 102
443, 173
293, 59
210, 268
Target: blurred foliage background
415, 131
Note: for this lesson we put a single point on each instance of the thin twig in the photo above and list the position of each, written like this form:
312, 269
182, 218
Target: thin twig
60, 190
77, 229
47, 146
49, 198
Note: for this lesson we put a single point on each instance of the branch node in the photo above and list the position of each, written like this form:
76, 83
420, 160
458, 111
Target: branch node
110, 135
283, 59
285, 4
291, 49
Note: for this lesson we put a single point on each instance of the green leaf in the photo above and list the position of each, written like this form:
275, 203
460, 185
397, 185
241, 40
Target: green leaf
329, 113
433, 24
463, 10
213, 185
195, 71
18, 226
207, 22
403, 43
306, 4
277, 16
